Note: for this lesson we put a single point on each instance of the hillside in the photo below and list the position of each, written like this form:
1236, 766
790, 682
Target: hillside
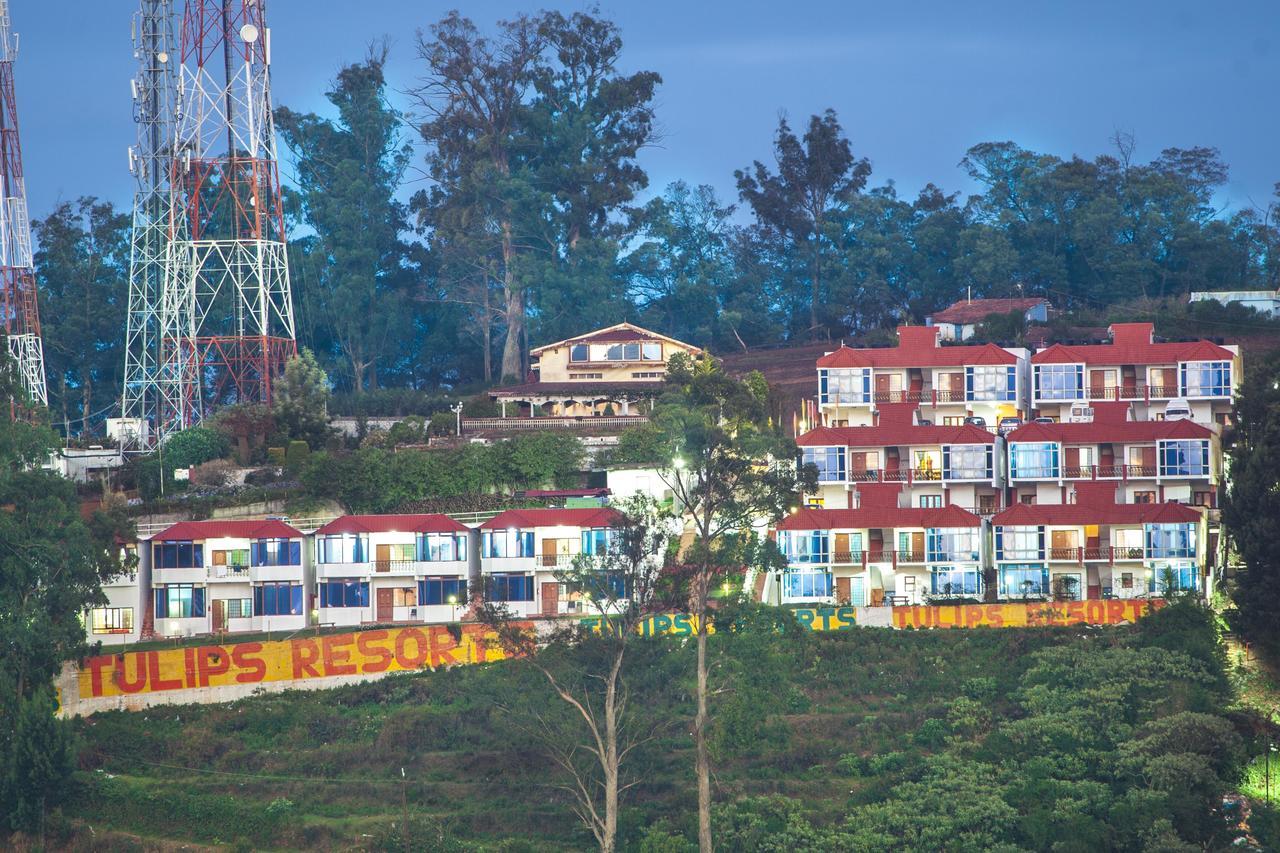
881, 740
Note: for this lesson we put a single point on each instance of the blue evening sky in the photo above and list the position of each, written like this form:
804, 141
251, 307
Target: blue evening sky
915, 82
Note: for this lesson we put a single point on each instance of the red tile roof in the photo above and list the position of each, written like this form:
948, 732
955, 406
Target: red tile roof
257, 528
878, 517
1082, 514
1123, 431
977, 310
892, 436
1132, 343
917, 347
575, 517
403, 523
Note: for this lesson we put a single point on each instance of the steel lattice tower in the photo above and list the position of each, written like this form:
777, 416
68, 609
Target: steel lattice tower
17, 278
226, 314
154, 109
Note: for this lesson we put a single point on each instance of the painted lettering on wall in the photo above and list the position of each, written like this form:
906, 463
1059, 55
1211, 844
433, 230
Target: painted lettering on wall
301, 658
1030, 615
685, 625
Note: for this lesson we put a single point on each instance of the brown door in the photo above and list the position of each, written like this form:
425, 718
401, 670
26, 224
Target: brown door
917, 544
1063, 544
882, 388
550, 599
549, 552
1072, 460
1165, 382
842, 549
1148, 461
219, 615
386, 605
987, 504
382, 559
858, 462
955, 384
843, 594
1097, 383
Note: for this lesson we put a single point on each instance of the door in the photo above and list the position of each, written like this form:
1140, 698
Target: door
858, 464
550, 598
1164, 382
1101, 383
1148, 461
386, 611
842, 590
1128, 383
857, 595
986, 504
955, 387
219, 615
1071, 461
917, 545
550, 552
1063, 544
382, 559
1107, 461
891, 459
842, 549
882, 388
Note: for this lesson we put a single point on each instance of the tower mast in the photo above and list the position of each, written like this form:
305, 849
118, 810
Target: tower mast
17, 278
226, 324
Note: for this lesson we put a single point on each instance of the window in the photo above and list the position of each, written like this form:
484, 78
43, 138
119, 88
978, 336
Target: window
440, 590
597, 541
1059, 381
990, 382
944, 544
1027, 499
927, 464
1019, 543
507, 543
111, 620
442, 547
403, 596
232, 557
967, 461
1170, 540
277, 599
178, 555
502, 587
804, 546
651, 351
931, 501
1144, 497
1033, 460
239, 608
953, 420
1184, 458
277, 552
579, 352
1202, 499
179, 601
952, 581
342, 548
1024, 581
807, 584
840, 385
1166, 577
344, 593
830, 462
648, 374
586, 375
1205, 378
647, 351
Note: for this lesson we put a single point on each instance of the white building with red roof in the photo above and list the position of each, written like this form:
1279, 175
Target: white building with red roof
960, 320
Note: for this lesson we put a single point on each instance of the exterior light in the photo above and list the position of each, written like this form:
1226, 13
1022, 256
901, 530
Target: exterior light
175, 627
678, 463
453, 599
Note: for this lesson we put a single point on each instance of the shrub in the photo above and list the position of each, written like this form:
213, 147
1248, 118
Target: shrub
217, 473
296, 456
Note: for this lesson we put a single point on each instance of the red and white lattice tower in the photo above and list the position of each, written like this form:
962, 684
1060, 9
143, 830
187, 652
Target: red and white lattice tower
17, 279
226, 314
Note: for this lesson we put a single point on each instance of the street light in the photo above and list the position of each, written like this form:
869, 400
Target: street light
457, 412
453, 602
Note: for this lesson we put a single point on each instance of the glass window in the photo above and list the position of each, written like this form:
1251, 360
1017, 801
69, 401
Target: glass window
1019, 543
440, 590
277, 599
277, 552
342, 548
1170, 540
579, 352
597, 541
990, 382
804, 546
111, 620
807, 584
949, 581
1059, 381
178, 555
830, 462
179, 601
944, 544
1021, 581
506, 543
931, 501
442, 547
503, 587
1206, 378
1166, 577
651, 351
841, 385
967, 461
344, 592
1033, 460
1184, 458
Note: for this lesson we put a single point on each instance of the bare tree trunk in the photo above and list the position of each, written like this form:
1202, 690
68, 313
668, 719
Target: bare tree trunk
609, 842
486, 333
703, 764
512, 353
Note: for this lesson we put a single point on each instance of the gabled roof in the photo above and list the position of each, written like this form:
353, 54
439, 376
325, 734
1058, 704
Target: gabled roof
1132, 343
524, 519
918, 347
970, 311
893, 436
257, 528
402, 523
1123, 431
616, 334
878, 517
1033, 515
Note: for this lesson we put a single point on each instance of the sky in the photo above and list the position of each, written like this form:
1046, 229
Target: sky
914, 82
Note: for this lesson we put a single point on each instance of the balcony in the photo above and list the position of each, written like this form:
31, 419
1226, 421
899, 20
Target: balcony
907, 557
229, 572
396, 567
1095, 554
287, 572
343, 570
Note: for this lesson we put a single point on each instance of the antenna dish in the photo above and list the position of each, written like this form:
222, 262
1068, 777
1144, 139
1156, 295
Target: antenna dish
249, 33
162, 57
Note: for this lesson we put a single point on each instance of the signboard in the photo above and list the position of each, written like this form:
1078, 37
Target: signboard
1038, 614
685, 625
359, 653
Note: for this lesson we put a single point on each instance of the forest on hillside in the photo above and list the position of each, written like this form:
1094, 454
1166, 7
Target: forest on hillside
538, 222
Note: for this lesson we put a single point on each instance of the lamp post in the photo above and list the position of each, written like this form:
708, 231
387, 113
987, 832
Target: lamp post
453, 603
457, 412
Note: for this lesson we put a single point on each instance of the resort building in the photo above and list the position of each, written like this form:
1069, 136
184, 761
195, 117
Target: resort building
120, 620
960, 321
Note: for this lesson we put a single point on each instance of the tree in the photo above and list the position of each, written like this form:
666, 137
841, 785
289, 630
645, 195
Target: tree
730, 469
815, 174
348, 173
82, 272
585, 666
302, 400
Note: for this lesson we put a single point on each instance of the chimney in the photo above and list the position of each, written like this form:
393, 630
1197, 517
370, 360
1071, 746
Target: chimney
918, 337
1132, 333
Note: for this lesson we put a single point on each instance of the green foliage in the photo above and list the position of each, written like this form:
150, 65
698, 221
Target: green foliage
37, 757
276, 455
302, 401
184, 449
641, 445
296, 456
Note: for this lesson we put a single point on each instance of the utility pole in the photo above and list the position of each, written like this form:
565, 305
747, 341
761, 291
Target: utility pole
17, 278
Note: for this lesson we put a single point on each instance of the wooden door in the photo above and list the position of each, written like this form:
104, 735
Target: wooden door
917, 544
550, 598
987, 504
1164, 381
386, 611
1063, 544
882, 387
842, 590
842, 548
955, 384
1071, 460
1098, 382
219, 615
1148, 463
550, 552
858, 462
382, 559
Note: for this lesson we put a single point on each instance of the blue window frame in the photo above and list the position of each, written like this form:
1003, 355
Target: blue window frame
276, 552
597, 541
179, 601
805, 546
1018, 581
1184, 458
1205, 378
1034, 460
442, 547
277, 599
1059, 381
967, 461
344, 592
950, 580
990, 382
342, 548
843, 385
942, 544
507, 543
178, 555
438, 590
830, 462
807, 583
1019, 543
1170, 541
507, 587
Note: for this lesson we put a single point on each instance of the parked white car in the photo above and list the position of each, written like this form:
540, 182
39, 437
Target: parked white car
1177, 410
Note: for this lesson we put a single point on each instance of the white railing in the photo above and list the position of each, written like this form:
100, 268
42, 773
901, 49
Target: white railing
518, 424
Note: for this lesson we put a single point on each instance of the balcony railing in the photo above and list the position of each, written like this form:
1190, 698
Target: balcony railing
1093, 554
893, 556
910, 556
229, 571
1136, 391
395, 567
1102, 472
